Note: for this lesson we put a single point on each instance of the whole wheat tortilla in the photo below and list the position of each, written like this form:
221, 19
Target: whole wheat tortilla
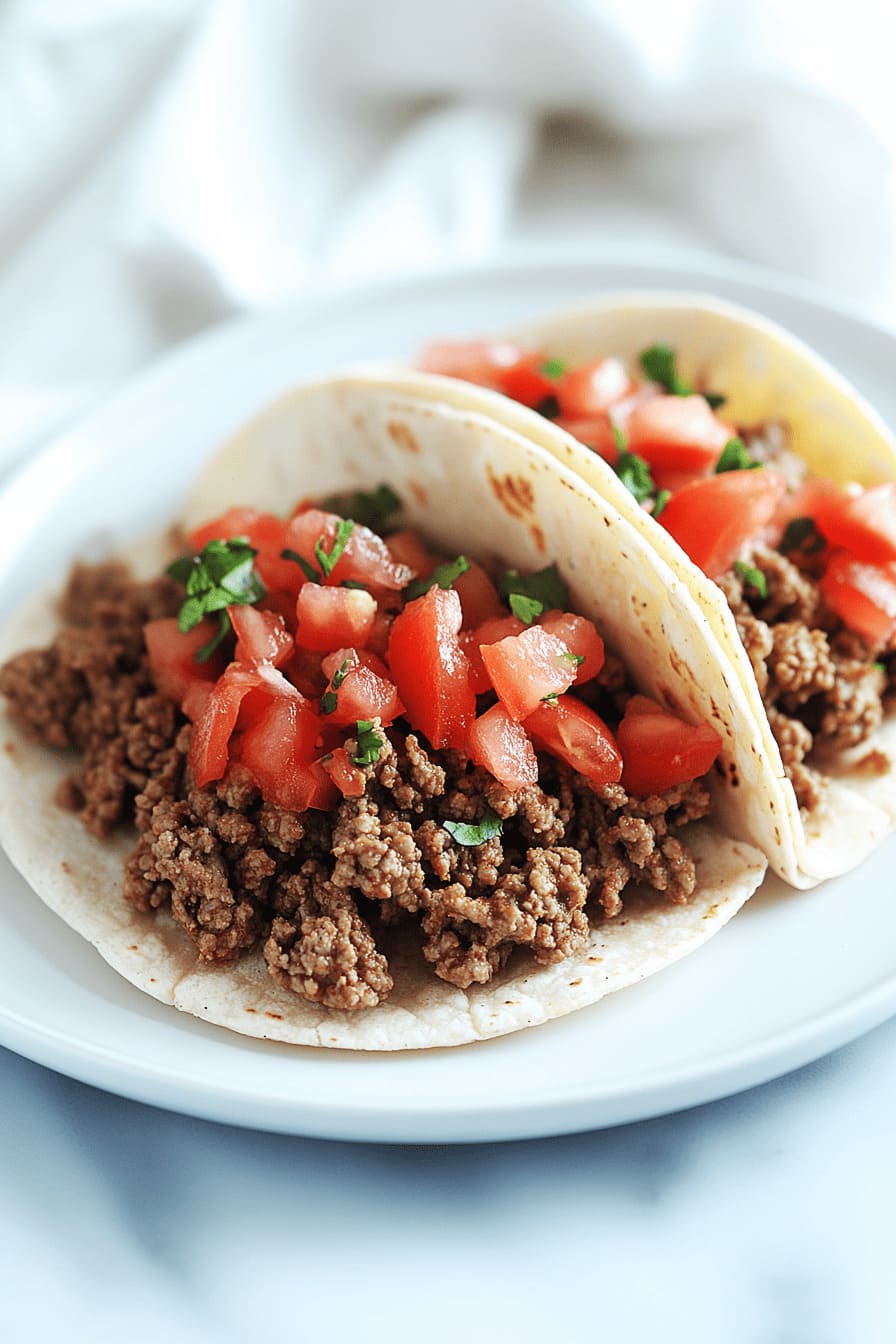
473, 486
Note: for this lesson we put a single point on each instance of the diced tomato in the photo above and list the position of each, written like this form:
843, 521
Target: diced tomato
801, 501
209, 745
580, 637
863, 596
333, 662
329, 618
281, 603
659, 750
863, 524
196, 699
502, 747
378, 642
591, 389
597, 434
365, 558
172, 656
679, 437
278, 750
499, 627
408, 548
304, 671
526, 382
482, 362
349, 780
430, 668
365, 695
526, 668
479, 598
578, 736
261, 636
266, 532
489, 632
712, 519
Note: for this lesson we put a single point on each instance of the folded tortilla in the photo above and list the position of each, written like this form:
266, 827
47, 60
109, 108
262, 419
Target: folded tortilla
472, 485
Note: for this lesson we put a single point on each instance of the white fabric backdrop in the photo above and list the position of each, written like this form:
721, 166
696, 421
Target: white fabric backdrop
166, 163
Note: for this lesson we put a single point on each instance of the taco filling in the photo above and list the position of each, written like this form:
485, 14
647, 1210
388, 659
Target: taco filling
322, 730
807, 565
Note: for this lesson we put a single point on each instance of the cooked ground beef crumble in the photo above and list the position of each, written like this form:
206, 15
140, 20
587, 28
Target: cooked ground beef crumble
315, 889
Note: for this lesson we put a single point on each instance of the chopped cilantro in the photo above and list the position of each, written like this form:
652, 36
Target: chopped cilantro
662, 499
634, 474
554, 368
619, 437
465, 833
370, 743
525, 609
221, 575
574, 659
354, 583
550, 699
328, 700
715, 400
734, 457
752, 576
306, 567
658, 362
544, 586
801, 534
879, 667
328, 559
444, 575
369, 508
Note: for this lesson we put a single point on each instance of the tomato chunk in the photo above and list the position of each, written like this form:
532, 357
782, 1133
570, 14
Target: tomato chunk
864, 525
266, 532
578, 736
331, 617
172, 656
580, 637
364, 692
482, 362
479, 599
863, 596
526, 668
502, 746
712, 519
489, 632
348, 778
660, 750
278, 750
677, 436
261, 636
212, 730
407, 548
591, 389
430, 668
365, 558
596, 434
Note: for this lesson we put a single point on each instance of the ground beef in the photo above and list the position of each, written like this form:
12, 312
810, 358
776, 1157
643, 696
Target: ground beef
823, 688
317, 890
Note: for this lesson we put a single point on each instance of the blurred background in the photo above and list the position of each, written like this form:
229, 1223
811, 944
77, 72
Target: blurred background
167, 164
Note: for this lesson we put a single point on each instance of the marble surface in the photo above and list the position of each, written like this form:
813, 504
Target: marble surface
762, 1219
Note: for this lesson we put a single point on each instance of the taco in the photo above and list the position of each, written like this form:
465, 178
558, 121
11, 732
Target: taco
345, 836
763, 479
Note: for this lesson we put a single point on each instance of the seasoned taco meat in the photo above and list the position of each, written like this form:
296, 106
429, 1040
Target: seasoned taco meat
319, 890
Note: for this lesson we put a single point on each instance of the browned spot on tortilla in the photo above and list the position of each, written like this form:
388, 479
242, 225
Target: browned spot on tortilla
713, 909
538, 537
132, 947
402, 437
152, 979
278, 1016
66, 867
595, 959
875, 763
358, 422
513, 493
251, 1010
778, 834
419, 493
9, 748
573, 983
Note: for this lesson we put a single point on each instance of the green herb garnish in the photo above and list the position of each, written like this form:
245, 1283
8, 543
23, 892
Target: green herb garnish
575, 659
220, 576
369, 508
662, 499
525, 609
306, 567
659, 363
328, 559
714, 400
879, 667
802, 535
370, 743
554, 368
550, 699
634, 473
752, 576
444, 575
545, 587
619, 438
734, 457
466, 833
328, 700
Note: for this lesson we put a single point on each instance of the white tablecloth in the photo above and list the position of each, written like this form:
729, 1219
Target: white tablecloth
167, 163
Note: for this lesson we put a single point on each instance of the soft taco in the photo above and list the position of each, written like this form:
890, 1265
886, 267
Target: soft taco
389, 788
762, 478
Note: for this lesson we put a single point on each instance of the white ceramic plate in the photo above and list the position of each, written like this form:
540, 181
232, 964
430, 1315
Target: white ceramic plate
795, 974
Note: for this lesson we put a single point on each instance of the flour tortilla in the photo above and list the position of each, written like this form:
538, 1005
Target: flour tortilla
765, 374
473, 486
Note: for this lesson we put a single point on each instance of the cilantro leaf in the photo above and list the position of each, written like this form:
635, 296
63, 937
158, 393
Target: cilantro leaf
715, 400
734, 457
328, 700
370, 743
466, 833
368, 508
525, 609
220, 576
662, 499
620, 439
550, 699
554, 368
752, 576
658, 362
634, 473
802, 535
574, 659
328, 559
444, 575
311, 574
544, 586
